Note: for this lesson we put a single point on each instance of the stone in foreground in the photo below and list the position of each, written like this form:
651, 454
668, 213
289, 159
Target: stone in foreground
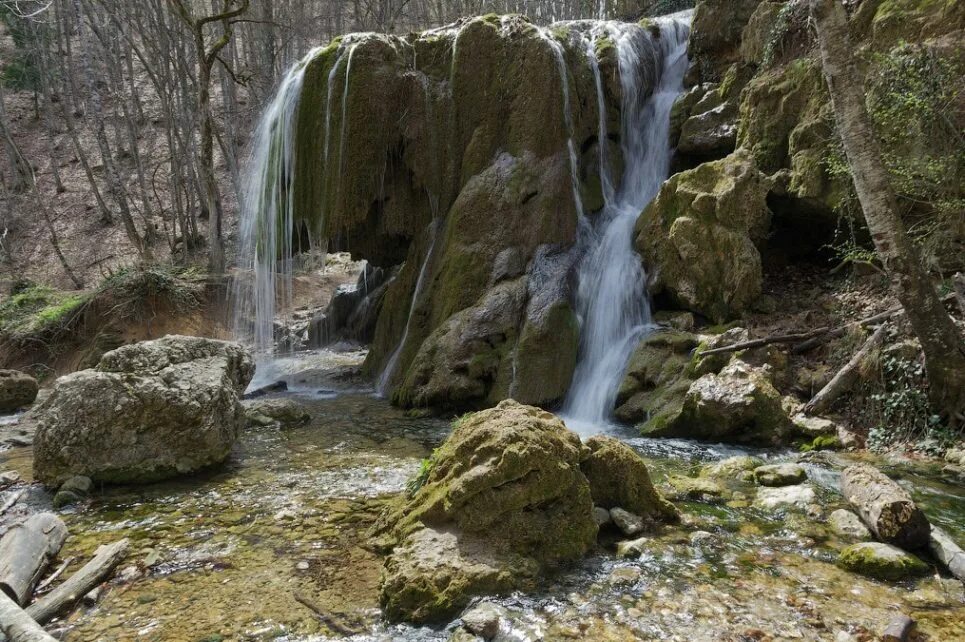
148, 411
844, 523
17, 390
505, 500
881, 561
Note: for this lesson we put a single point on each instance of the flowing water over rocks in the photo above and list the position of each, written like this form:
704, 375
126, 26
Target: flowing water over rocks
223, 554
611, 297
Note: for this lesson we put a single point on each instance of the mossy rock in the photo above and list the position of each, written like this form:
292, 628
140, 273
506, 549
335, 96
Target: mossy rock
657, 375
881, 561
619, 478
699, 237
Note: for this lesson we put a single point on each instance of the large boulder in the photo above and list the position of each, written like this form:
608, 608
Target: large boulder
716, 39
738, 405
699, 237
619, 478
17, 389
881, 561
657, 377
504, 497
148, 411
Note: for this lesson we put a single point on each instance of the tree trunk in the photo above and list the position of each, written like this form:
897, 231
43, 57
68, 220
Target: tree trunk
17, 625
26, 550
885, 507
80, 583
940, 340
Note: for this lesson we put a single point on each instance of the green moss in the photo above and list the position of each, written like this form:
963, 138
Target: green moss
822, 442
38, 311
881, 561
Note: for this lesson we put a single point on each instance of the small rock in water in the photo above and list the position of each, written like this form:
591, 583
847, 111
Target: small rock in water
624, 575
9, 478
881, 561
484, 619
788, 496
626, 521
779, 475
601, 516
72, 491
700, 537
632, 547
278, 386
847, 524
128, 574
302, 566
899, 630
152, 558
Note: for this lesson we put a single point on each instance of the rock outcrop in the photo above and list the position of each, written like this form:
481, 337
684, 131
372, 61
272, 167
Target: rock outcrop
509, 496
148, 411
700, 236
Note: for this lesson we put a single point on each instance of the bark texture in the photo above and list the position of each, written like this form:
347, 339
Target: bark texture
26, 550
885, 507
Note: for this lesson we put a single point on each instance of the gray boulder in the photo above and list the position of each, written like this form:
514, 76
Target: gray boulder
779, 475
148, 411
17, 390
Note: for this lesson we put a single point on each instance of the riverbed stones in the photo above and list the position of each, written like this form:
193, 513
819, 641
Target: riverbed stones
886, 508
286, 412
72, 491
17, 390
148, 411
629, 523
739, 467
881, 561
780, 475
504, 500
775, 499
846, 524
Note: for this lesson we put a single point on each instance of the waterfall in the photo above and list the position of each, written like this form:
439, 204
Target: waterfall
611, 295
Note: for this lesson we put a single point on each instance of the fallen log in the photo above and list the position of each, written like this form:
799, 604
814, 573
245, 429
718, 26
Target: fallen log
25, 552
946, 551
14, 498
846, 376
17, 625
80, 583
885, 507
50, 579
764, 341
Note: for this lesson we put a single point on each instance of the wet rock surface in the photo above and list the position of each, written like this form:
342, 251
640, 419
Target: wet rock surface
17, 390
881, 561
147, 411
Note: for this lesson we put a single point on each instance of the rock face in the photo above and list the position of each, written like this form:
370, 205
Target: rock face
503, 499
881, 561
699, 237
17, 390
147, 411
885, 507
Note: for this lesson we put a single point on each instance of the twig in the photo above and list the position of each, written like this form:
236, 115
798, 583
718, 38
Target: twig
328, 619
50, 580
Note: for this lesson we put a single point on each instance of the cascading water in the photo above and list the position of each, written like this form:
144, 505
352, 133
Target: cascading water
611, 297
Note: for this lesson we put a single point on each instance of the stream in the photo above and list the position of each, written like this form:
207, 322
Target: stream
222, 555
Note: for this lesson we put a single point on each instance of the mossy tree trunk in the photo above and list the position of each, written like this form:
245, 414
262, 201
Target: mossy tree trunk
940, 339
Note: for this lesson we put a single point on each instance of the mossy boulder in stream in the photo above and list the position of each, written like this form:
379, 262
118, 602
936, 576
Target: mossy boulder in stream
148, 411
619, 478
699, 237
881, 561
503, 499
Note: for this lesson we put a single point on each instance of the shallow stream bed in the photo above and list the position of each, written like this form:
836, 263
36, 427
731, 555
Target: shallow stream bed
235, 554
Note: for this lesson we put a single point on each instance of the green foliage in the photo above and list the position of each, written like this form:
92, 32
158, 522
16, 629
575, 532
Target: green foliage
822, 442
902, 408
791, 15
421, 477
39, 311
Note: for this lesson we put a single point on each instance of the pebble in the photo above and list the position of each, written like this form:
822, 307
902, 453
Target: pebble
632, 548
484, 619
302, 566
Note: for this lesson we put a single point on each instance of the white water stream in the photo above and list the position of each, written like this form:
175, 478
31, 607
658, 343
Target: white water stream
611, 297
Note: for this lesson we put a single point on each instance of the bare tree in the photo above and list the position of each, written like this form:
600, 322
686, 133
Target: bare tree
940, 339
